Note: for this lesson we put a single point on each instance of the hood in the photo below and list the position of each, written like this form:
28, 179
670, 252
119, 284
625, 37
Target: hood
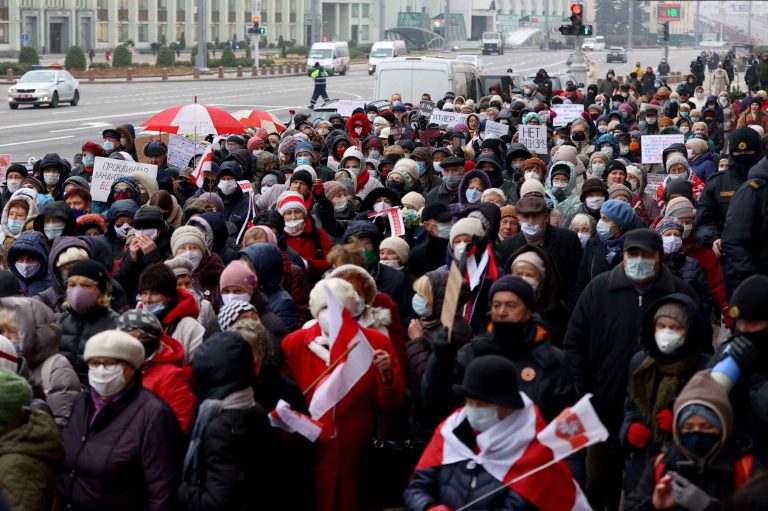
37, 437
61, 244
268, 263
438, 280
363, 120
696, 333
149, 184
515, 150
363, 228
54, 160
610, 139
490, 215
243, 158
265, 159
571, 178
222, 365
703, 390
29, 242
171, 352
58, 210
352, 153
186, 306
198, 222
123, 207
130, 182
38, 328
469, 176
31, 205
232, 168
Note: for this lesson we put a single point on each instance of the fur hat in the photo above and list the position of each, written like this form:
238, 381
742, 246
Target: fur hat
339, 288
115, 344
399, 246
71, 255
187, 234
531, 186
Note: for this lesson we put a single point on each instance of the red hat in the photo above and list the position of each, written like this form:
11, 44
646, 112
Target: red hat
290, 200
468, 165
94, 148
255, 143
86, 221
649, 69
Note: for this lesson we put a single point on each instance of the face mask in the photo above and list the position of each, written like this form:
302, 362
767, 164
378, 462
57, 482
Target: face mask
122, 195
532, 176
322, 131
607, 151
597, 169
459, 250
559, 142
640, 268
437, 167
396, 186
228, 187
594, 203
370, 257
668, 340
15, 226
294, 227
698, 443
148, 233
122, 230
154, 308
650, 120
50, 178
53, 231
602, 128
623, 149
422, 167
452, 182
81, 299
108, 146
123, 142
672, 244
301, 160
603, 230
340, 206
529, 229
380, 206
358, 130
684, 115
532, 281
444, 230
481, 418
420, 305
698, 133
677, 176
27, 270
13, 184
687, 229
699, 95
684, 130
584, 238
235, 297
107, 382
473, 196
392, 263
578, 137
723, 101
695, 119
193, 255
88, 160
632, 185
257, 152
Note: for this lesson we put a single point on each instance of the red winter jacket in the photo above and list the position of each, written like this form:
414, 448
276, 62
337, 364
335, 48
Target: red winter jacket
364, 121
306, 245
186, 306
163, 375
395, 329
706, 258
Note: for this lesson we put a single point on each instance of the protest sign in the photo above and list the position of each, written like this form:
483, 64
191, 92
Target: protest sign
106, 170
446, 119
425, 109
653, 181
534, 138
345, 107
496, 128
652, 146
566, 114
5, 162
181, 150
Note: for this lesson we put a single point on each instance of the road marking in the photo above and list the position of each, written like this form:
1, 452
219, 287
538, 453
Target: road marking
36, 141
82, 119
91, 125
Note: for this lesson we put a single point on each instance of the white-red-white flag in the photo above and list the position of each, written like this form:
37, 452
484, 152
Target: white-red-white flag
204, 165
573, 429
344, 333
289, 420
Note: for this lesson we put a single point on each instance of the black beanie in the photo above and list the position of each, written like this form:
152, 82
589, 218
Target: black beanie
21, 169
92, 270
158, 278
303, 176
750, 299
518, 286
148, 217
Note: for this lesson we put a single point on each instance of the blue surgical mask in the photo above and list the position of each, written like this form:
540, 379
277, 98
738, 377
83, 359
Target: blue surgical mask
15, 226
108, 146
473, 195
444, 230
422, 167
154, 308
640, 268
303, 160
88, 160
452, 182
603, 230
420, 306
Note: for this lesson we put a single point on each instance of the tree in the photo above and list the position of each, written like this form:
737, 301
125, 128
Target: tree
182, 41
28, 55
228, 57
121, 57
283, 46
75, 59
165, 57
610, 17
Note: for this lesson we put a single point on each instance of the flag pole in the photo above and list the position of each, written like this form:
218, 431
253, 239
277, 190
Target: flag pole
330, 368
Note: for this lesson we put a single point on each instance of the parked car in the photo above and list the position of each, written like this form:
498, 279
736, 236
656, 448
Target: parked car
570, 59
616, 54
503, 84
472, 59
44, 85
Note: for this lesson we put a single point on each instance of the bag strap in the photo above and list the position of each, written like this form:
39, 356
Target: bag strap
45, 375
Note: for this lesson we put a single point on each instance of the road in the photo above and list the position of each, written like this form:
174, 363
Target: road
29, 132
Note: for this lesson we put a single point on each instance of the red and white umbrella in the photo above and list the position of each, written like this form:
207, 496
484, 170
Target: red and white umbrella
194, 119
259, 119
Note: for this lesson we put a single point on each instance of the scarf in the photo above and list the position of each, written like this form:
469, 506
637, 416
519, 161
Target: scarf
476, 273
210, 408
613, 247
362, 178
675, 262
643, 384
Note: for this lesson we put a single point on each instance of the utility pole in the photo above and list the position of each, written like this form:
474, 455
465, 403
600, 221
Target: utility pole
749, 23
446, 26
201, 61
631, 24
382, 29
697, 24
546, 24
256, 11
317, 25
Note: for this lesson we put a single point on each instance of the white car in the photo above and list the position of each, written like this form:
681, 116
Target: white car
472, 59
48, 85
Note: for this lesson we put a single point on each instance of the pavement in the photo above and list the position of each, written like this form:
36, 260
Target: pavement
31, 133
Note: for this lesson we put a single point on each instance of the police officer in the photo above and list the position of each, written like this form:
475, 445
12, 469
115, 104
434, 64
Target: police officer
319, 75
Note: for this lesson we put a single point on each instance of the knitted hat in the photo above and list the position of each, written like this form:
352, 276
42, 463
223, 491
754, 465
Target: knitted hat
148, 217
508, 211
303, 147
399, 246
214, 199
679, 206
333, 189
636, 172
139, 319
620, 213
236, 139
303, 176
667, 224
616, 190
414, 201
515, 285
92, 270
290, 200
255, 143
339, 288
408, 169
71, 255
612, 166
158, 278
560, 168
187, 234
533, 259
15, 392
531, 186
271, 238
750, 299
115, 344
470, 226
180, 266
229, 313
306, 168
677, 159
674, 311
665, 121
704, 410
238, 274
696, 145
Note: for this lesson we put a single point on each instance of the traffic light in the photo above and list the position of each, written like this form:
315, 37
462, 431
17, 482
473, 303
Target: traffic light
576, 15
576, 27
665, 31
255, 25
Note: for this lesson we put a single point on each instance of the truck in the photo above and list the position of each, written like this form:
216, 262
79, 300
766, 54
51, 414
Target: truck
384, 50
492, 42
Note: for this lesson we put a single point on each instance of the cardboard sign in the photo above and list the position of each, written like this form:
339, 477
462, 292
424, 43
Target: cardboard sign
446, 119
425, 109
451, 299
652, 146
345, 107
496, 128
181, 150
5, 162
653, 181
566, 114
428, 135
534, 138
106, 170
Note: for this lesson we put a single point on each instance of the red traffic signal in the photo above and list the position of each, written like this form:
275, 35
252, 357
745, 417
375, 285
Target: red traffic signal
576, 9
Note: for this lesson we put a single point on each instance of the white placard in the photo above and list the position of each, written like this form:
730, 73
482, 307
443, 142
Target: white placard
652, 146
566, 114
496, 128
534, 138
345, 107
653, 181
181, 150
106, 170
447, 119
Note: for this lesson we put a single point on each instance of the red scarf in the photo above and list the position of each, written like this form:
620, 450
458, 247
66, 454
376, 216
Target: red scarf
491, 273
362, 178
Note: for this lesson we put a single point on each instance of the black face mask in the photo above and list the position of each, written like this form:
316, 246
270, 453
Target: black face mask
186, 189
578, 136
396, 186
746, 161
699, 443
512, 337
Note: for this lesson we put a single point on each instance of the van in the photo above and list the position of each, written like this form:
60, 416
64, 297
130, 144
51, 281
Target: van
413, 76
334, 57
384, 50
596, 43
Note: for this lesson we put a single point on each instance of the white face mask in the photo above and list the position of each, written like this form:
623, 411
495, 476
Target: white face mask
147, 233
687, 229
602, 128
392, 263
608, 151
459, 250
235, 297
193, 255
358, 130
584, 238
530, 229
228, 187
482, 418
122, 230
53, 231
532, 176
379, 206
51, 178
668, 340
594, 203
672, 244
107, 382
340, 206
26, 270
532, 281
684, 130
294, 227
13, 184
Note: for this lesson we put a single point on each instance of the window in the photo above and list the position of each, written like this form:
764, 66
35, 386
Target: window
162, 33
122, 32
366, 10
102, 10
4, 12
355, 10
102, 32
143, 33
365, 33
179, 30
231, 10
143, 10
3, 33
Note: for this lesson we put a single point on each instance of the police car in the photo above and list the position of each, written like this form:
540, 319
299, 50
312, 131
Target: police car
44, 85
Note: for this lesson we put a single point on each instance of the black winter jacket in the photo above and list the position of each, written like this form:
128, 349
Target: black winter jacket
129, 270
427, 256
442, 194
77, 329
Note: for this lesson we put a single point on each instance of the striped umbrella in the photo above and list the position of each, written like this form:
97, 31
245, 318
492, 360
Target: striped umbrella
194, 119
259, 119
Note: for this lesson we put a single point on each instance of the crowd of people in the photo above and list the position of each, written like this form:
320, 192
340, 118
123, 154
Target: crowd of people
148, 341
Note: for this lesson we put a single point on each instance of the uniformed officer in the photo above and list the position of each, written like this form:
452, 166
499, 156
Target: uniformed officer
319, 75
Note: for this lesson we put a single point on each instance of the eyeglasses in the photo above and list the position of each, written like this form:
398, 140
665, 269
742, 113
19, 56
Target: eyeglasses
111, 366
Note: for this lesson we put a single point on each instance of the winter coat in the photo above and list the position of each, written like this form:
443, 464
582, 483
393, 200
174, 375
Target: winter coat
179, 320
128, 271
688, 269
600, 341
8, 238
77, 329
31, 242
124, 207
236, 207
313, 245
571, 200
294, 281
427, 256
442, 194
269, 319
594, 262
267, 261
30, 452
704, 166
39, 339
719, 81
205, 279
336, 470
469, 176
712, 272
124, 458
163, 375
746, 119
216, 229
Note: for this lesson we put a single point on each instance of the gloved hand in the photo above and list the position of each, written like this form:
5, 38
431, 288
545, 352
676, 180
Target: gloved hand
317, 187
664, 420
585, 116
743, 351
638, 435
442, 348
688, 495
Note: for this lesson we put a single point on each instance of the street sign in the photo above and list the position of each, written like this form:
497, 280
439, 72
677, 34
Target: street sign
668, 12
24, 38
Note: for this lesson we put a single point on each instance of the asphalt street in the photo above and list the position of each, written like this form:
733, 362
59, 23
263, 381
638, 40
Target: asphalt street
29, 132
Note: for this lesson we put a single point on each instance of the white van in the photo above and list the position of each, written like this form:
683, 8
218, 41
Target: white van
334, 57
384, 50
596, 43
413, 76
